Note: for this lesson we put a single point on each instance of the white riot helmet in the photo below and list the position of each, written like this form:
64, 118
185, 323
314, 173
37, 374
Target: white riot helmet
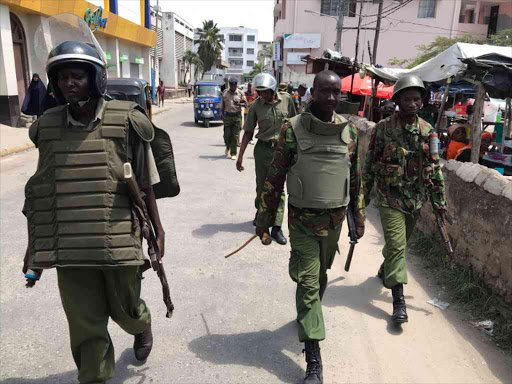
264, 81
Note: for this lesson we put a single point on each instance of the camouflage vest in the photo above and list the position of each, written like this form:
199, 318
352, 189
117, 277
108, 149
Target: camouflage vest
79, 210
321, 176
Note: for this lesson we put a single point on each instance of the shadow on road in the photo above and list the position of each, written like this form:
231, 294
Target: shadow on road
214, 158
209, 230
126, 368
263, 349
361, 297
200, 124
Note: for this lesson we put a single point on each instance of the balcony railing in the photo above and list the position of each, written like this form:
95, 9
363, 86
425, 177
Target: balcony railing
235, 54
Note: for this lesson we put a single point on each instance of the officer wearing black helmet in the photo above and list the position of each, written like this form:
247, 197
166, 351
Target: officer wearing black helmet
80, 218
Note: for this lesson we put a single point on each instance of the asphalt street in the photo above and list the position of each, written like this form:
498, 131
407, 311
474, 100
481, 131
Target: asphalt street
234, 320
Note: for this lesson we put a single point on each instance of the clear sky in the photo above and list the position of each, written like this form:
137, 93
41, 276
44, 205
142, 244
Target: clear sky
256, 14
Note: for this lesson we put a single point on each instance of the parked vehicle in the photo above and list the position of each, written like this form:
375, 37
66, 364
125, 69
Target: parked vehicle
207, 102
131, 89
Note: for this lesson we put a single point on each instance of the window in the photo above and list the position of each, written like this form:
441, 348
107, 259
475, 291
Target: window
236, 63
251, 38
250, 63
237, 52
330, 7
250, 51
235, 37
427, 9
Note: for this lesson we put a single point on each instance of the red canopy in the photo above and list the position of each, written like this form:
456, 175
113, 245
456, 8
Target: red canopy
364, 87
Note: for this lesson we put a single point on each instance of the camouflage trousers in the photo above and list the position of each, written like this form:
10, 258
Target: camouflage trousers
263, 156
398, 228
232, 126
90, 296
310, 258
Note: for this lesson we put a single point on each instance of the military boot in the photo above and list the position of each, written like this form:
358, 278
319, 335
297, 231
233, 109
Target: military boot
143, 344
255, 218
399, 309
314, 369
277, 235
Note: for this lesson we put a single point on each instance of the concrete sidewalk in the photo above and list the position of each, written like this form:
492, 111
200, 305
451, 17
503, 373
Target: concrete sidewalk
13, 140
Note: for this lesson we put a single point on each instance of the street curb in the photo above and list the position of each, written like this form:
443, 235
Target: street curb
15, 149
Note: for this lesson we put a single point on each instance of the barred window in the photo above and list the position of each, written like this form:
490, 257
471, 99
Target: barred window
250, 63
250, 51
330, 7
251, 38
427, 9
235, 37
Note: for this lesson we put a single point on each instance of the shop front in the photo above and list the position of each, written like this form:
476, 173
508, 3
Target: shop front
126, 39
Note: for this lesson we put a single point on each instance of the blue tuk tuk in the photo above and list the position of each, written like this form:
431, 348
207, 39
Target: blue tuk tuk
207, 102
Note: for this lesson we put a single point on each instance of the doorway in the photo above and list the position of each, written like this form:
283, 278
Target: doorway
493, 20
20, 56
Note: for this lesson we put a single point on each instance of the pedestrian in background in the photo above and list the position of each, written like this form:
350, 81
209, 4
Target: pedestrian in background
233, 99
269, 112
406, 172
33, 104
316, 156
161, 94
189, 88
299, 96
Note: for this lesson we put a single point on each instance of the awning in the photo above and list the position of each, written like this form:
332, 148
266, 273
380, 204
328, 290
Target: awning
364, 87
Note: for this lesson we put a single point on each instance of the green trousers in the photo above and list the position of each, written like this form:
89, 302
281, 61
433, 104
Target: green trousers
398, 228
310, 258
263, 156
232, 126
90, 296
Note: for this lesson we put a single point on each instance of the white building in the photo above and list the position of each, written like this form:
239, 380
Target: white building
177, 37
263, 46
240, 51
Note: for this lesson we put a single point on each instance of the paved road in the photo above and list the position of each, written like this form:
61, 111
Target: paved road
234, 319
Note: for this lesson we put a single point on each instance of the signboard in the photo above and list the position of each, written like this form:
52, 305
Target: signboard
302, 40
94, 18
276, 51
295, 58
123, 58
108, 55
139, 60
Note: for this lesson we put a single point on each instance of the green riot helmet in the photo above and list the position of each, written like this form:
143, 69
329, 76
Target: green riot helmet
409, 81
75, 52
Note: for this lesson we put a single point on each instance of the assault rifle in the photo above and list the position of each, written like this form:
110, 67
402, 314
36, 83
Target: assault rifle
443, 231
352, 233
149, 235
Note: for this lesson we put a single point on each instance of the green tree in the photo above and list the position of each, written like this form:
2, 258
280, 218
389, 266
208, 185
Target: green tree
267, 52
188, 58
440, 44
210, 44
258, 68
198, 67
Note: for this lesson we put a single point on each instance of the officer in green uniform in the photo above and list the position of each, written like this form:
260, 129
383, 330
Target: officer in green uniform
317, 157
80, 217
400, 161
269, 112
233, 100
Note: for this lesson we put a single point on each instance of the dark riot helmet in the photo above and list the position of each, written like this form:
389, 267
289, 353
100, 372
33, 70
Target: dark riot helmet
74, 52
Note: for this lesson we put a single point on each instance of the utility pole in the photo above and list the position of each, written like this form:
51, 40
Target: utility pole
377, 32
354, 64
339, 24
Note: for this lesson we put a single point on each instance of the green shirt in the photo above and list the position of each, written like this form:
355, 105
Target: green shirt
269, 116
400, 162
317, 220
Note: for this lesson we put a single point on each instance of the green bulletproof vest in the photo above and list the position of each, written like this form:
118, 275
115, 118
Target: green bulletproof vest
321, 176
78, 208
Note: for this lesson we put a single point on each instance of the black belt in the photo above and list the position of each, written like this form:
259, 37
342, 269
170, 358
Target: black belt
233, 114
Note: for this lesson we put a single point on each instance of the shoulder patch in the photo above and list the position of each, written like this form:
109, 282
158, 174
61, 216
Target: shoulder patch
141, 124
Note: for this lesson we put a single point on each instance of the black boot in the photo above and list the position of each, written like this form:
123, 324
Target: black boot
255, 217
399, 310
277, 235
143, 344
380, 274
314, 369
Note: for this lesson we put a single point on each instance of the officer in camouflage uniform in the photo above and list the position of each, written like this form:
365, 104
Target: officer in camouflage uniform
400, 161
269, 112
233, 100
317, 156
80, 217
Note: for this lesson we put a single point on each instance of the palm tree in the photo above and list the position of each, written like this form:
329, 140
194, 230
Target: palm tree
198, 67
258, 68
188, 58
210, 44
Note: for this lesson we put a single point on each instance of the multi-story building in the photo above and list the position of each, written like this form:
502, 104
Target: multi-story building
264, 53
124, 33
240, 51
177, 38
309, 26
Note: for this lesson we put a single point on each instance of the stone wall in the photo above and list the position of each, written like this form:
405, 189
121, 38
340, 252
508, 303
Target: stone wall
480, 209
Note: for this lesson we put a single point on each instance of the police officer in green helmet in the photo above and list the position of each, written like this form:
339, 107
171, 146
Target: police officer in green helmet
80, 217
405, 167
